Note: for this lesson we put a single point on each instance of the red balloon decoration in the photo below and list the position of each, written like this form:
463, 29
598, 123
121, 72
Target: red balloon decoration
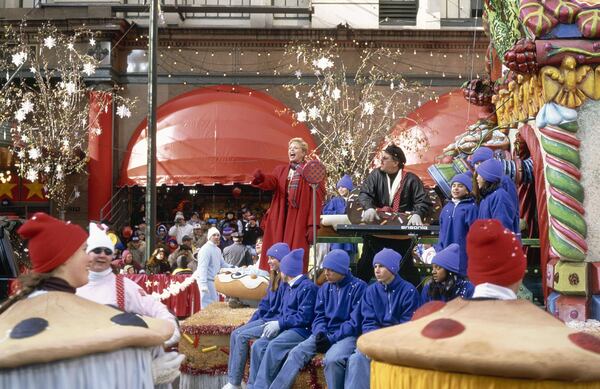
236, 192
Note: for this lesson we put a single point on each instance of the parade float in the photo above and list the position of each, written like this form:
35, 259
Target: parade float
543, 99
543, 102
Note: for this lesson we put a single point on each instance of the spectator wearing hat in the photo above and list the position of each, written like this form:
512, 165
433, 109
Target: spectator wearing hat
496, 260
483, 154
337, 206
106, 288
290, 328
392, 188
199, 238
226, 238
495, 203
455, 219
180, 229
269, 309
158, 262
161, 233
34, 352
334, 330
231, 222
290, 215
195, 219
447, 278
387, 302
237, 255
126, 259
210, 262
252, 232
136, 248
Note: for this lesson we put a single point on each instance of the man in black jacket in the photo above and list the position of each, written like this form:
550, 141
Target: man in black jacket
395, 190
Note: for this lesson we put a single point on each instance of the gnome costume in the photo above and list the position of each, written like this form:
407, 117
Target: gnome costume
54, 339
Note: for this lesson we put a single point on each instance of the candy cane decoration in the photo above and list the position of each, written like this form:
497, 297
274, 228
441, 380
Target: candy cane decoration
567, 227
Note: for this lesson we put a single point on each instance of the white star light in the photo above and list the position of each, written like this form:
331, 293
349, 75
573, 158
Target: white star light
323, 63
32, 70
46, 169
298, 74
20, 115
301, 116
27, 106
50, 42
34, 153
368, 108
336, 94
70, 87
31, 175
313, 112
70, 46
123, 111
89, 69
313, 130
96, 131
92, 42
21, 154
19, 58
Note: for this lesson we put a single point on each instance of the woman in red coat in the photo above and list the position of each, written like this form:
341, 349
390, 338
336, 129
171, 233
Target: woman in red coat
289, 218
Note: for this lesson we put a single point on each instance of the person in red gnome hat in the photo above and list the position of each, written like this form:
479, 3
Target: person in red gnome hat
496, 260
58, 257
55, 339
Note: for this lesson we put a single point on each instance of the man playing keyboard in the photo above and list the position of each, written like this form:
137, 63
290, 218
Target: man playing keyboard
396, 190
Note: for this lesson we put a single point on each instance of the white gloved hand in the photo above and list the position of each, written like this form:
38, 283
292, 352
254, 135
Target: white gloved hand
415, 220
165, 369
174, 339
428, 255
370, 215
271, 329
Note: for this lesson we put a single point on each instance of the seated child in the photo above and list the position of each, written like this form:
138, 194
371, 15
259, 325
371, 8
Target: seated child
389, 301
333, 331
268, 309
291, 327
448, 281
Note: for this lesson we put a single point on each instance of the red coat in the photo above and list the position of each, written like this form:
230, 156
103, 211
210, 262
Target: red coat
282, 222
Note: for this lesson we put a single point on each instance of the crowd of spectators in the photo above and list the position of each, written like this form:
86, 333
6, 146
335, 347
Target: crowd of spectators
177, 244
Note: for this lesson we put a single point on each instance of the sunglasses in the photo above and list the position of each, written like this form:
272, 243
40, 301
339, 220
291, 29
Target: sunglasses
100, 250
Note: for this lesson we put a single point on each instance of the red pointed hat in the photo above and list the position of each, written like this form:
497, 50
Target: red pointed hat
51, 241
495, 254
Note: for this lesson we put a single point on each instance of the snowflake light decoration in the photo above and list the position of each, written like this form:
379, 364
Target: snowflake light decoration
53, 112
123, 111
89, 69
49, 42
350, 109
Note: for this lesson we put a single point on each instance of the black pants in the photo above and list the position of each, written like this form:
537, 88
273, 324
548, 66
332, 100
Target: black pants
373, 245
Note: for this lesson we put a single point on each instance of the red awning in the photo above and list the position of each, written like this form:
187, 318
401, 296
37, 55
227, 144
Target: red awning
440, 122
214, 135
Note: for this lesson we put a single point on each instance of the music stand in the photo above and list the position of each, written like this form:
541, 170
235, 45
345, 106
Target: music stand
314, 173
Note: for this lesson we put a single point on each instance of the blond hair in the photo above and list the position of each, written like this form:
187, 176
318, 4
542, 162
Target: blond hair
301, 142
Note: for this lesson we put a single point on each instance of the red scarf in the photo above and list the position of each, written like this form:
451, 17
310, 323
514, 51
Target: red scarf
294, 183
